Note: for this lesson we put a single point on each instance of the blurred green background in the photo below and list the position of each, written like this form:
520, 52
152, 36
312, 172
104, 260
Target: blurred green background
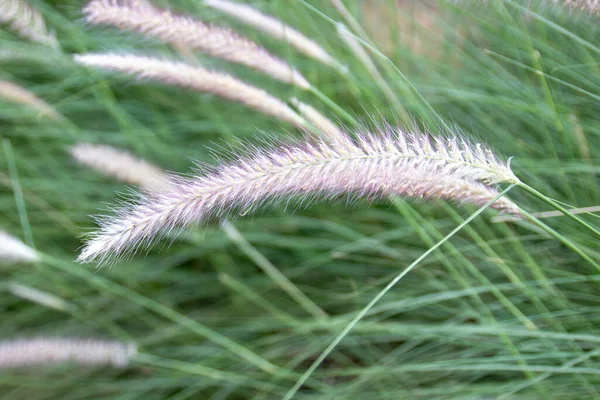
502, 309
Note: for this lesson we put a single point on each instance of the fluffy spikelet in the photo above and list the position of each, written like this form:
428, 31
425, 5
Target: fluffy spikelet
411, 165
218, 42
13, 250
120, 165
17, 94
39, 351
325, 126
276, 29
26, 21
196, 78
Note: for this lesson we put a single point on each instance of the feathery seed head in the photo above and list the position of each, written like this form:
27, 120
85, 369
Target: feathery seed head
38, 351
13, 250
26, 21
218, 42
120, 165
276, 29
410, 165
17, 94
195, 78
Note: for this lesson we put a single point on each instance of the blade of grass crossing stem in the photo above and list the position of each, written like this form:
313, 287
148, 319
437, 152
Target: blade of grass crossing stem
488, 315
454, 252
200, 370
268, 268
537, 72
204, 331
12, 168
541, 377
249, 295
518, 282
395, 68
333, 105
379, 295
562, 239
560, 208
554, 26
428, 229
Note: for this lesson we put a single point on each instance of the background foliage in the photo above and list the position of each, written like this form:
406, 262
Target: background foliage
500, 310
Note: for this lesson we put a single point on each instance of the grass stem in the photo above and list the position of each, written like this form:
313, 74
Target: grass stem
560, 208
380, 295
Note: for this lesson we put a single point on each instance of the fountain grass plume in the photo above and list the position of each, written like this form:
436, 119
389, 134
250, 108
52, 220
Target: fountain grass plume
121, 165
49, 350
390, 162
178, 30
26, 21
180, 74
276, 29
14, 250
16, 94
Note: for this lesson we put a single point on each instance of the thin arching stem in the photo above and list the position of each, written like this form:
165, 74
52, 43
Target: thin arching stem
561, 238
560, 208
333, 105
300, 382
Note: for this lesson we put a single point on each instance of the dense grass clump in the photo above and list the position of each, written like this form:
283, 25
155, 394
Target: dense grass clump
370, 296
